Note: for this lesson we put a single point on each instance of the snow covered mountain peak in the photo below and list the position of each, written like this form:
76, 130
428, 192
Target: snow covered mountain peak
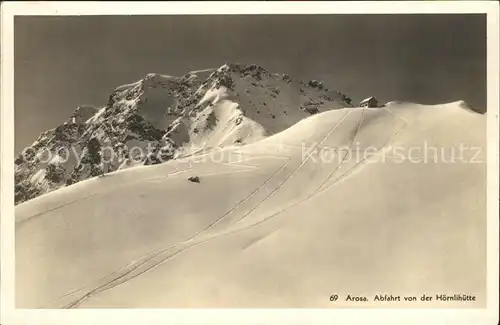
155, 118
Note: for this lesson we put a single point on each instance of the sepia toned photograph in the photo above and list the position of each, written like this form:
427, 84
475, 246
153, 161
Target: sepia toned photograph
249, 161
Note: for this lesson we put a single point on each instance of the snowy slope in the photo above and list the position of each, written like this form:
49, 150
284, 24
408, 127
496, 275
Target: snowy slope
161, 117
270, 224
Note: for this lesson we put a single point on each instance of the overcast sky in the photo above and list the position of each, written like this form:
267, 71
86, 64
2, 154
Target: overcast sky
63, 62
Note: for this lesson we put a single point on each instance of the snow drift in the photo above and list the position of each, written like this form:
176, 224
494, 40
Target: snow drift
284, 221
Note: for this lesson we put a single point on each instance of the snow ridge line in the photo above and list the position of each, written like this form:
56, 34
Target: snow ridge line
318, 192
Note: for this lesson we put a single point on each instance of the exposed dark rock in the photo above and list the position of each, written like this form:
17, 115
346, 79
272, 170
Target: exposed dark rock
124, 123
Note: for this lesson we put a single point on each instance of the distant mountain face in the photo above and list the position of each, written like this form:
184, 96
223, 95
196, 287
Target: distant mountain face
161, 117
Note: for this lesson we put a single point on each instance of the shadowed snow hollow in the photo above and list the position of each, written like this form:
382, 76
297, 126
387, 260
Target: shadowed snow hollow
340, 203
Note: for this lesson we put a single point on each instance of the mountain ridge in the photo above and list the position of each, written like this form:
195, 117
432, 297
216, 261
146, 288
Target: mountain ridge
163, 116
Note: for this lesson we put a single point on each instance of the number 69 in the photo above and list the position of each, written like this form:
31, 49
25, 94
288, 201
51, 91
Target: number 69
334, 297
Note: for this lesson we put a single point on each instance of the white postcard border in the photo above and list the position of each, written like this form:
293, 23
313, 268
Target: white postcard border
10, 316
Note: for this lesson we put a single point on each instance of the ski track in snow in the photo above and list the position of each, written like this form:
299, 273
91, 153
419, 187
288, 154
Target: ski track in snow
136, 264
142, 265
297, 169
142, 262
